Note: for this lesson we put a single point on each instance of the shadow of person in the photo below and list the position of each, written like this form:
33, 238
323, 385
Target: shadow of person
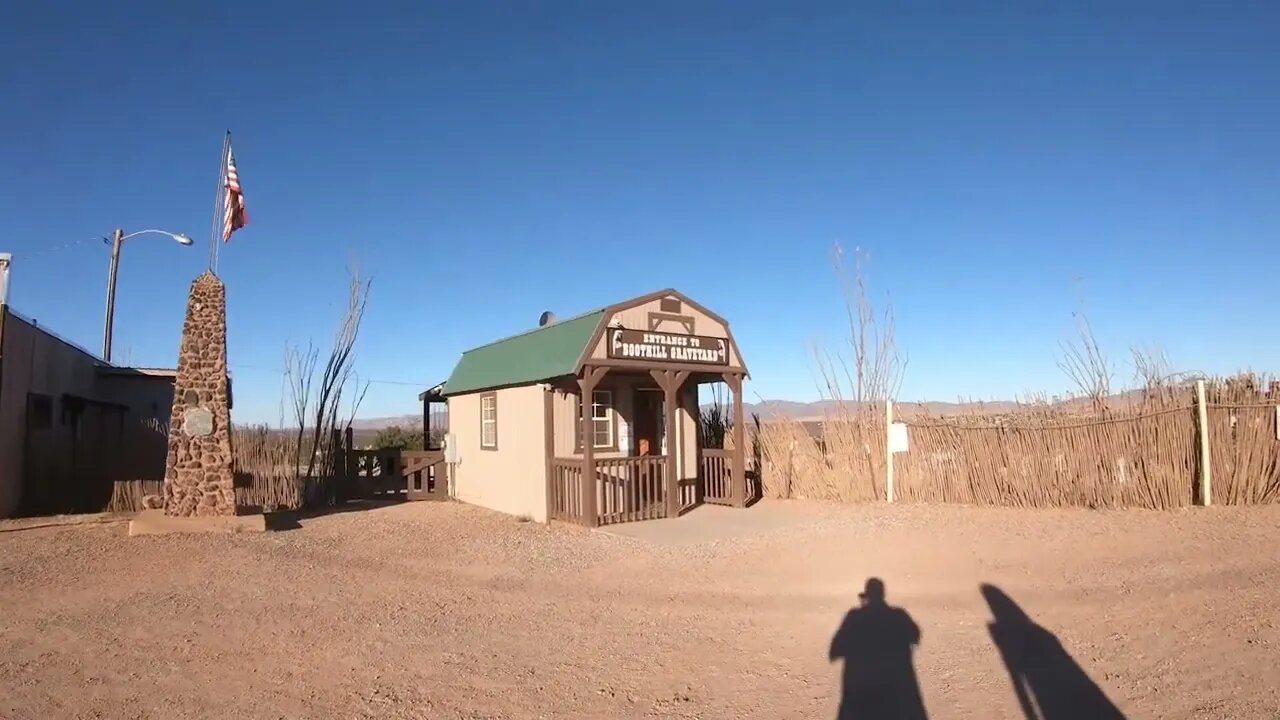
876, 641
1048, 682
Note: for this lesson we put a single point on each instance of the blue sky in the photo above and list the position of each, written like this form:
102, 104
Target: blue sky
484, 161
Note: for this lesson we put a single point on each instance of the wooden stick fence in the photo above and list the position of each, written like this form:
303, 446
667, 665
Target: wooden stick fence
1137, 461
1245, 461
1154, 454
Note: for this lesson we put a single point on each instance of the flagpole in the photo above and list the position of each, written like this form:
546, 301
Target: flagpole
219, 205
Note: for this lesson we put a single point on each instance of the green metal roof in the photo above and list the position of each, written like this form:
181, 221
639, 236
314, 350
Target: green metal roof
540, 354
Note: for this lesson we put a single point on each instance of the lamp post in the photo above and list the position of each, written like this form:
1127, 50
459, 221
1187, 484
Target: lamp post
117, 242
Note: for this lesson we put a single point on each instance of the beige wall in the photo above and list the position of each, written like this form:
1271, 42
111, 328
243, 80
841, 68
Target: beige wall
637, 318
35, 361
513, 478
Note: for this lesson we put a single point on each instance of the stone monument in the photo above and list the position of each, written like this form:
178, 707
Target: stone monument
199, 490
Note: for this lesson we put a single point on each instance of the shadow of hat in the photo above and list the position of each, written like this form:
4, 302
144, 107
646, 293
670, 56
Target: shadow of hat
873, 590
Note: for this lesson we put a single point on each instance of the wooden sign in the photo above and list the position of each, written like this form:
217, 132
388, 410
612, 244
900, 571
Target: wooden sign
627, 344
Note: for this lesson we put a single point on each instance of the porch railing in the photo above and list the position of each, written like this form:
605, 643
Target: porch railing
627, 489
717, 471
631, 489
566, 490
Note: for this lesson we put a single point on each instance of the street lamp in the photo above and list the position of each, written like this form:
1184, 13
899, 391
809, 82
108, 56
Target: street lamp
117, 242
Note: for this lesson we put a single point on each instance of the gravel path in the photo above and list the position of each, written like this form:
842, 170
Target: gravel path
447, 611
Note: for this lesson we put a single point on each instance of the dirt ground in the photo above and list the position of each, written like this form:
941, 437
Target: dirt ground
448, 611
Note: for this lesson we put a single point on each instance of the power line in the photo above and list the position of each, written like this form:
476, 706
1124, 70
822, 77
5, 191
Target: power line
56, 248
372, 381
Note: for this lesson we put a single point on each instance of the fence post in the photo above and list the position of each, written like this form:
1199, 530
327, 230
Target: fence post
1206, 468
888, 450
334, 466
348, 469
791, 466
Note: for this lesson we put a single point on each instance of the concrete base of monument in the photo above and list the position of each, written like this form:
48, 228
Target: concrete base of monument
155, 522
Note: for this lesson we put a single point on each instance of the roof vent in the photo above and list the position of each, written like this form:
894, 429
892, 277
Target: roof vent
546, 318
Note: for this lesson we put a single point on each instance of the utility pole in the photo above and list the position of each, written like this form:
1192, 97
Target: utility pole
117, 242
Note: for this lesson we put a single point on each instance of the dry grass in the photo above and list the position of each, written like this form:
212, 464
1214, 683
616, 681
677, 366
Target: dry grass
844, 464
714, 423
265, 469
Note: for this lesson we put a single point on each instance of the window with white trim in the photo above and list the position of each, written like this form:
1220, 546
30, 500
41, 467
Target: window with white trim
489, 421
602, 430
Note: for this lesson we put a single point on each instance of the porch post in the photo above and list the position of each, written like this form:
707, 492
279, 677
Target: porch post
670, 382
738, 479
586, 384
426, 422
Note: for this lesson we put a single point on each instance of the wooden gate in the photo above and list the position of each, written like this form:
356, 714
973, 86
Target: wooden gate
717, 476
425, 473
392, 474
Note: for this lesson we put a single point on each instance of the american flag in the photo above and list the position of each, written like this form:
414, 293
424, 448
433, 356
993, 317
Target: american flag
235, 217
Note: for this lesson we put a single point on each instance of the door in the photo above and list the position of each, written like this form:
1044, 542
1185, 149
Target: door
648, 492
649, 422
43, 457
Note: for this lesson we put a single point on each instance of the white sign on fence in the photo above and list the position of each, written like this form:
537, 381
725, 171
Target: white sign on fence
898, 441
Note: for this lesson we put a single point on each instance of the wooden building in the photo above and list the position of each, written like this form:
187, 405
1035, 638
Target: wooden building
71, 425
518, 442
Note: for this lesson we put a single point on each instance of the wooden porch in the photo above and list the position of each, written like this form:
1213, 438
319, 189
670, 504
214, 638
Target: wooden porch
593, 491
631, 489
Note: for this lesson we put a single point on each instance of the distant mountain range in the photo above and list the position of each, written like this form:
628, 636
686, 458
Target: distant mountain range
377, 423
